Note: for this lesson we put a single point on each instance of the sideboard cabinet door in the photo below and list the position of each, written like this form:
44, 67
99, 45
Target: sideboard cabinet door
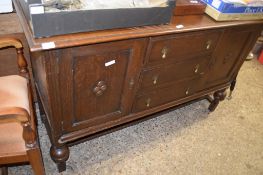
230, 53
98, 82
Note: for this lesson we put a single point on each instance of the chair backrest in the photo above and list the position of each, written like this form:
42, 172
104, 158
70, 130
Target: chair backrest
21, 61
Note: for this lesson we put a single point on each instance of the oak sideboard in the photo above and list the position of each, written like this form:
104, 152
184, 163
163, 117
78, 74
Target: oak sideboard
90, 82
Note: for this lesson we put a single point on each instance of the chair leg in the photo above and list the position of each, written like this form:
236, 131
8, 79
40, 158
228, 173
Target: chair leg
3, 171
33, 150
35, 159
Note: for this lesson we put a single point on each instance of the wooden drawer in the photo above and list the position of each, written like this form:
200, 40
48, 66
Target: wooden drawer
180, 46
158, 76
166, 94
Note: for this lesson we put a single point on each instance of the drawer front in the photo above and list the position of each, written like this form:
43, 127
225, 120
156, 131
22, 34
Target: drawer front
180, 46
158, 76
166, 94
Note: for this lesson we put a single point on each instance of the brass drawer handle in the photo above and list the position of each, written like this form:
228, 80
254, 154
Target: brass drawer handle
148, 102
208, 44
187, 91
164, 52
197, 68
100, 88
155, 78
131, 83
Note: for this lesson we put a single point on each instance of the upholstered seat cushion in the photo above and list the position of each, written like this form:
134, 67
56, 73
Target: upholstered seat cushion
14, 92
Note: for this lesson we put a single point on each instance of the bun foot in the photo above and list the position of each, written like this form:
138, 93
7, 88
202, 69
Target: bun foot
218, 96
60, 155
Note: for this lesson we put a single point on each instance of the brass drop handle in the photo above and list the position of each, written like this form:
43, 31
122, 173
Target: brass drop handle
100, 88
148, 102
155, 78
164, 52
187, 91
131, 83
208, 44
197, 68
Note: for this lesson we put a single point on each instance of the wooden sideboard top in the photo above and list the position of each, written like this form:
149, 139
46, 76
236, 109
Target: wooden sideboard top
10, 24
190, 23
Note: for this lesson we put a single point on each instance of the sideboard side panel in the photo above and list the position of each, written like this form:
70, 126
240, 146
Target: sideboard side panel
230, 53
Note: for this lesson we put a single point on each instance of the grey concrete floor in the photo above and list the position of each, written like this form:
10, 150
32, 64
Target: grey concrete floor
187, 141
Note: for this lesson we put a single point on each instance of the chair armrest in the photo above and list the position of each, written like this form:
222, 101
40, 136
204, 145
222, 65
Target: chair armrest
20, 115
13, 114
10, 42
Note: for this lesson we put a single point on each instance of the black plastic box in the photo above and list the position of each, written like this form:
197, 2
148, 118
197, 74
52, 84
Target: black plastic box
57, 23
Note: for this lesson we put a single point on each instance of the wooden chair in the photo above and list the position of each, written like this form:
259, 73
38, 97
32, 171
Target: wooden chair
18, 133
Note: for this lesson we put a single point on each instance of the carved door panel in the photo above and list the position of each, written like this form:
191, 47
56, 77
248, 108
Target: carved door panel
99, 82
230, 53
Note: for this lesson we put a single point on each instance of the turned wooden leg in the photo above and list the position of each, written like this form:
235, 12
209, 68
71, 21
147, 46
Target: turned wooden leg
232, 87
35, 159
3, 171
33, 150
218, 96
60, 155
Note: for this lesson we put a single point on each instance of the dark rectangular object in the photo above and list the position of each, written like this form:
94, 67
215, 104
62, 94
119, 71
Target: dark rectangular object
56, 23
189, 7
